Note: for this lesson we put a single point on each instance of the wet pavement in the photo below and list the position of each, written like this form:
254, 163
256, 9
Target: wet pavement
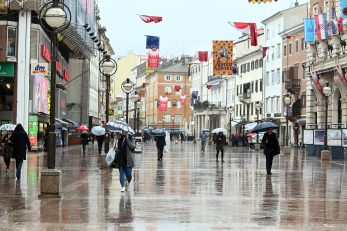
188, 190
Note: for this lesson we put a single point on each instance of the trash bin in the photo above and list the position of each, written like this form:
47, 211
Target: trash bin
138, 144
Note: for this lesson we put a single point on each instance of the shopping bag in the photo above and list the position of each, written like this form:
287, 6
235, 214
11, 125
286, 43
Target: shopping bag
115, 163
110, 157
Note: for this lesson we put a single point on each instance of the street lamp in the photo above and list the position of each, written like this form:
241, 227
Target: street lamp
327, 91
287, 102
257, 108
231, 119
135, 98
127, 88
139, 106
107, 68
55, 17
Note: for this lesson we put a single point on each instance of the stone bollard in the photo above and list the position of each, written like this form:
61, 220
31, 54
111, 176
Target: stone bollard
50, 183
325, 155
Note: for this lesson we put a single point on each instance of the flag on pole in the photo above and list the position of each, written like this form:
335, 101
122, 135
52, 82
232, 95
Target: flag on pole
310, 32
247, 28
203, 56
152, 42
148, 19
321, 26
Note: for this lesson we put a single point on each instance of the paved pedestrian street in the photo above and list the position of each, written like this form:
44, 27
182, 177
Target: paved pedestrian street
188, 190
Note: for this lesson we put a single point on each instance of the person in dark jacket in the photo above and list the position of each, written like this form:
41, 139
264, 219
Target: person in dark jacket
220, 140
20, 141
84, 141
126, 160
6, 144
161, 143
100, 140
271, 148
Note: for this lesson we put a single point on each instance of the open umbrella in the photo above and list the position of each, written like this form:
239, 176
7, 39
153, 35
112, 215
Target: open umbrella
218, 130
158, 132
7, 127
264, 126
110, 128
98, 131
250, 126
82, 128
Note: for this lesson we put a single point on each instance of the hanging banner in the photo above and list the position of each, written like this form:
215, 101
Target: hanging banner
222, 58
163, 102
152, 42
203, 56
153, 58
183, 99
310, 31
177, 88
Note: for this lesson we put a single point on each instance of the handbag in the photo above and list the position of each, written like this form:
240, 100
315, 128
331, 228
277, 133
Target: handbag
8, 150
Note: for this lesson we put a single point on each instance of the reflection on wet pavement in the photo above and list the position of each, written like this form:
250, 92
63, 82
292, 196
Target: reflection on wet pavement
188, 190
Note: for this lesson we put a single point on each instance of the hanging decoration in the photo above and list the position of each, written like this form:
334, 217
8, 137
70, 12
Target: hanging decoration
183, 99
148, 19
321, 26
203, 56
222, 57
310, 30
316, 82
213, 85
163, 102
342, 75
337, 23
177, 88
247, 28
264, 50
152, 42
195, 95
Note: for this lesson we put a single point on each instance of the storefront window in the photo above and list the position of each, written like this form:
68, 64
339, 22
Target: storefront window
11, 41
34, 44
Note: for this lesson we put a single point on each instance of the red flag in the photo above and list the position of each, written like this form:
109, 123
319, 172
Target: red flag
148, 19
247, 28
264, 51
203, 56
153, 58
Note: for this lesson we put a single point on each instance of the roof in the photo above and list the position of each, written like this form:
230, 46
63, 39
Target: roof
175, 68
281, 12
293, 30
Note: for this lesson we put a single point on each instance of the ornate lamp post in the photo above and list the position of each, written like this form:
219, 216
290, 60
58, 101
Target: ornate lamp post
135, 98
139, 106
287, 102
127, 88
107, 68
257, 108
328, 91
55, 17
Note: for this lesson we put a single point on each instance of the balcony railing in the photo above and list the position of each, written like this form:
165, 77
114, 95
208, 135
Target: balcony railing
245, 97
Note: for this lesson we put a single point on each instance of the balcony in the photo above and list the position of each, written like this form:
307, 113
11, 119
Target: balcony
245, 97
293, 85
202, 105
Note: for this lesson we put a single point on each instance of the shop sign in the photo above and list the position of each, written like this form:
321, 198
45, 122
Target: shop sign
45, 53
66, 75
39, 69
58, 66
6, 69
33, 129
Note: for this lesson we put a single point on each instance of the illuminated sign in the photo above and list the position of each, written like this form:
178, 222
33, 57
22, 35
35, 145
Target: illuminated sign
45, 53
66, 75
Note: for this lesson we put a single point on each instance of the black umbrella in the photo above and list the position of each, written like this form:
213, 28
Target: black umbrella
264, 126
157, 132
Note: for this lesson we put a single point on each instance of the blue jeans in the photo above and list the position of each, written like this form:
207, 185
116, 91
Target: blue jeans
125, 171
19, 164
84, 147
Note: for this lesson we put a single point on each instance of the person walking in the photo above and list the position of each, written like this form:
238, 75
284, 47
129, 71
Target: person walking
20, 142
220, 140
126, 160
161, 143
271, 148
182, 137
203, 138
84, 141
7, 149
100, 140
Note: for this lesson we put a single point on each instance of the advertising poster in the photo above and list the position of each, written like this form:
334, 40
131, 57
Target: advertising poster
319, 137
33, 129
308, 137
344, 138
40, 95
334, 137
222, 57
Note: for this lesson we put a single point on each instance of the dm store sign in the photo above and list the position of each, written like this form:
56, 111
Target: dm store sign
39, 69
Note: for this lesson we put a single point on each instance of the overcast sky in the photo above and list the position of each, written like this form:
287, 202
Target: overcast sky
187, 26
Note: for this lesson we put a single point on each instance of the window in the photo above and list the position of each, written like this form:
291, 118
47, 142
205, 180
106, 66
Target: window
256, 64
303, 100
237, 110
279, 27
11, 41
34, 44
178, 78
169, 104
297, 46
303, 44
252, 87
261, 85
177, 118
272, 77
278, 76
290, 49
267, 78
271, 105
167, 118
248, 67
267, 58
168, 77
178, 104
252, 65
261, 63
256, 86
267, 33
168, 90
278, 104
278, 51
252, 107
285, 50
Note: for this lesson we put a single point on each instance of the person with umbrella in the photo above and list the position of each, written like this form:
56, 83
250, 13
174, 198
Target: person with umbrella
271, 148
126, 159
160, 143
20, 141
84, 140
7, 149
99, 132
220, 140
